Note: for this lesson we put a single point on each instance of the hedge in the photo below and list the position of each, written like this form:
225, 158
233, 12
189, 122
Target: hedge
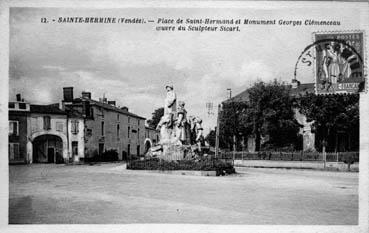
217, 165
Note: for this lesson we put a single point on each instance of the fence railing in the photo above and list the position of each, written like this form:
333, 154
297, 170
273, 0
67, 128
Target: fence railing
291, 156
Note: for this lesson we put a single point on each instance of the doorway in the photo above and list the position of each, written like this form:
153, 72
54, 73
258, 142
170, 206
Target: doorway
50, 155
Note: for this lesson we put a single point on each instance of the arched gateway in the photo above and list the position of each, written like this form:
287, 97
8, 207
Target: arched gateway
47, 147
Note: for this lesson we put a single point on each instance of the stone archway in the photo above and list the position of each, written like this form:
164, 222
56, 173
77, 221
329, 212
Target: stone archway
54, 143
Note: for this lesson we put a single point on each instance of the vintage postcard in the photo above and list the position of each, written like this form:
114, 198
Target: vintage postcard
184, 116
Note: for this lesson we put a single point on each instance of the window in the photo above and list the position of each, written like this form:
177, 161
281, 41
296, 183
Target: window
59, 126
11, 105
47, 125
102, 128
88, 132
14, 151
75, 125
13, 128
118, 131
129, 129
22, 106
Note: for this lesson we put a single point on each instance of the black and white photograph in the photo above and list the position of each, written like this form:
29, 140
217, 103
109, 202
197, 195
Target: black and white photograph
184, 116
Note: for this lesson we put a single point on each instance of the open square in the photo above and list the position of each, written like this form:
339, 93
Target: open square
108, 193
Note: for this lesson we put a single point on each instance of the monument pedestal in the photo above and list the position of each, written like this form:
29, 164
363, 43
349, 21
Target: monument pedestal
172, 152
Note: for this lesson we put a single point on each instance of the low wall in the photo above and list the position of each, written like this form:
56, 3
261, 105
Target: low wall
338, 166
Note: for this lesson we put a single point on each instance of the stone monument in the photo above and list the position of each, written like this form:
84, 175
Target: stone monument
180, 138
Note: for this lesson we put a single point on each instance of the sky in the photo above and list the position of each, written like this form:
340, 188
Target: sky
132, 63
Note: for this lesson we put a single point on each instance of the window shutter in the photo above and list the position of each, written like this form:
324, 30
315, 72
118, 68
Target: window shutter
11, 151
11, 130
47, 123
16, 151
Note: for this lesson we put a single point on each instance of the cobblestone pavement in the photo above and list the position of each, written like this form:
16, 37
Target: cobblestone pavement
108, 193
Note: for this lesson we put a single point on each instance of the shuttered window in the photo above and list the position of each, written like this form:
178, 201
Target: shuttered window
75, 127
14, 151
59, 126
47, 123
13, 128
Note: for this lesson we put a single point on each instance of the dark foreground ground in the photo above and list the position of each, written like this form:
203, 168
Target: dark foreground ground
108, 193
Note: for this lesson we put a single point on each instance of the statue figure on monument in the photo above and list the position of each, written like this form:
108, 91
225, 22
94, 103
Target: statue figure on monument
170, 103
197, 132
181, 123
167, 121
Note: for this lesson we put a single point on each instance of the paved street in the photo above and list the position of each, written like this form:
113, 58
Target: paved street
108, 193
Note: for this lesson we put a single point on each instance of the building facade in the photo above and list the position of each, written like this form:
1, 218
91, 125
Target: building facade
106, 126
48, 141
18, 127
77, 129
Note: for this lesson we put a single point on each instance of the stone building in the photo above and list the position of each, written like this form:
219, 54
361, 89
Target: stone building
48, 140
37, 133
76, 136
75, 130
18, 124
106, 126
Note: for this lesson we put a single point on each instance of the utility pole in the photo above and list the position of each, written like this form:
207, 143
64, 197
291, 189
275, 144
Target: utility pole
230, 92
234, 136
217, 133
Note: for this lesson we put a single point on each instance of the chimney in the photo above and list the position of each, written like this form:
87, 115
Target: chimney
86, 95
68, 94
19, 99
111, 102
86, 108
124, 108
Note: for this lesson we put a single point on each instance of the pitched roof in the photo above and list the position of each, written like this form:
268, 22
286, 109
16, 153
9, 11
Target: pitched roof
301, 89
241, 97
48, 109
109, 107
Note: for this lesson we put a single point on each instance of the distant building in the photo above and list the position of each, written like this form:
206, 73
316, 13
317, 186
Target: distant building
106, 126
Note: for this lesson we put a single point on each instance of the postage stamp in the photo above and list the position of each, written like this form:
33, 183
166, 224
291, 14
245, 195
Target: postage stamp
339, 62
336, 61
